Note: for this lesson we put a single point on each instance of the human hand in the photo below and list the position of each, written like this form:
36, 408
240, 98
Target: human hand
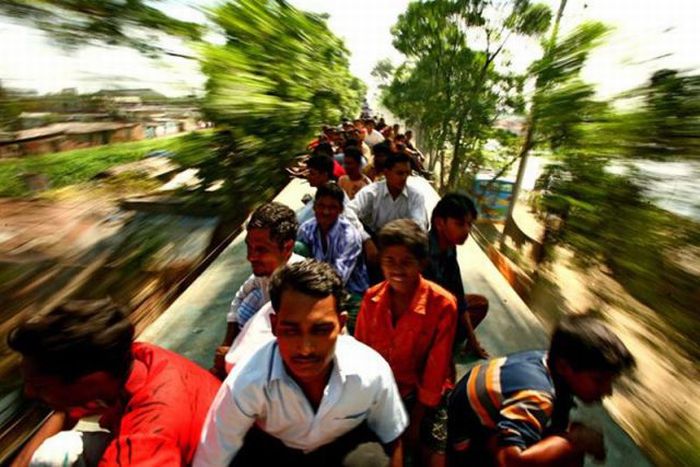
474, 347
588, 440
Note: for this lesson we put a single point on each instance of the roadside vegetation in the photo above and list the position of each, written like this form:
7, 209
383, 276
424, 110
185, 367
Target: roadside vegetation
67, 168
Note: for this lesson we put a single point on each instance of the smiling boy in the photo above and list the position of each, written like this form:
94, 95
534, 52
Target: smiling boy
411, 322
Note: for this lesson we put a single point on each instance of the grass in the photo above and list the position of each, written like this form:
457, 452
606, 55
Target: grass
72, 167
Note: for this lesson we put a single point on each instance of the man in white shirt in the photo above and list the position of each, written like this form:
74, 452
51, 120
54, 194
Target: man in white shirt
309, 397
373, 136
386, 200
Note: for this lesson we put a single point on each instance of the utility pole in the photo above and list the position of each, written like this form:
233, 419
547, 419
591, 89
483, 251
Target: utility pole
530, 131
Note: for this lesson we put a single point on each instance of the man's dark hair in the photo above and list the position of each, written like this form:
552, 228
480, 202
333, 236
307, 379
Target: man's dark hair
324, 149
279, 219
399, 158
585, 343
309, 277
354, 153
351, 142
331, 190
382, 149
77, 338
405, 232
322, 163
455, 206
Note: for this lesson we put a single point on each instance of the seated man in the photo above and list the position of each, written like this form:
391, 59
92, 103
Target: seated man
355, 180
515, 410
450, 226
272, 229
80, 359
380, 153
334, 240
310, 396
320, 173
411, 322
382, 202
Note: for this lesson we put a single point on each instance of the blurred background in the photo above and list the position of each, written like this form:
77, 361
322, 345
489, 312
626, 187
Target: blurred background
136, 136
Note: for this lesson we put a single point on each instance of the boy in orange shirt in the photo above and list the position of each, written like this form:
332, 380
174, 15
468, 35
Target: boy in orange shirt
411, 322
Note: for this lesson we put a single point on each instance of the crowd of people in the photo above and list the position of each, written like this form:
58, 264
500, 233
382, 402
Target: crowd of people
338, 349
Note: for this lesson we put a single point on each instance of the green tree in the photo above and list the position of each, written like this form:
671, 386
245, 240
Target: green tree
9, 111
280, 75
75, 23
458, 66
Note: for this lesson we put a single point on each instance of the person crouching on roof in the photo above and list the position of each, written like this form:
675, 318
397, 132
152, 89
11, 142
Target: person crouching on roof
515, 410
80, 360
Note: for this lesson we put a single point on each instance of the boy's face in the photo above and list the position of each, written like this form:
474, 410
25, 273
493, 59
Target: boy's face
307, 328
264, 254
454, 230
327, 210
590, 386
352, 167
397, 176
80, 397
400, 268
316, 178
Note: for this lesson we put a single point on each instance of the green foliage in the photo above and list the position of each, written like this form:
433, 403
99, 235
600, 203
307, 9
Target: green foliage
667, 124
74, 23
452, 88
72, 167
9, 111
280, 75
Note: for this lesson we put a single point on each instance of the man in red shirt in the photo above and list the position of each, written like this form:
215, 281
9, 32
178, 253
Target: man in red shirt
411, 322
80, 360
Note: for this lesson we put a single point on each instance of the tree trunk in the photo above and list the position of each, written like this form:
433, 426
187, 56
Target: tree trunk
456, 155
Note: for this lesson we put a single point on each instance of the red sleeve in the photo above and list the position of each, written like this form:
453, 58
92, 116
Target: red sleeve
338, 170
438, 365
361, 333
142, 450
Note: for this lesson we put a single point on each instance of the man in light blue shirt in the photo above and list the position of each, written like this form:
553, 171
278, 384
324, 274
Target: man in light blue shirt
310, 397
334, 240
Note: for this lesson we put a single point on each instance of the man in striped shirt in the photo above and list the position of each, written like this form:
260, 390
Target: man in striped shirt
515, 410
271, 232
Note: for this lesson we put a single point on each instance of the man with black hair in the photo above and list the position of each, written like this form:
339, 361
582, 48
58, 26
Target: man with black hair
309, 397
392, 198
80, 360
373, 136
515, 410
451, 223
333, 239
380, 152
355, 180
271, 232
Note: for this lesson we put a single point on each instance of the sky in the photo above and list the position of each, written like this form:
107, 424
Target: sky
644, 30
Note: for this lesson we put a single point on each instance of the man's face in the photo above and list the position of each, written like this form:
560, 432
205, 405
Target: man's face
590, 386
264, 254
307, 328
400, 268
352, 167
83, 396
316, 178
327, 209
454, 230
397, 175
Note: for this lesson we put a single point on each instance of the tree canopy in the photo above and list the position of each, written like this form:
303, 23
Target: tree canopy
457, 78
75, 23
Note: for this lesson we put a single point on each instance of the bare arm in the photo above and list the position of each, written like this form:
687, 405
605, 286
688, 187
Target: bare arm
395, 452
57, 422
565, 449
